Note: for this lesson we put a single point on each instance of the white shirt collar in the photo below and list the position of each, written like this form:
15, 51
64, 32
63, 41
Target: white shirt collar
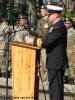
56, 21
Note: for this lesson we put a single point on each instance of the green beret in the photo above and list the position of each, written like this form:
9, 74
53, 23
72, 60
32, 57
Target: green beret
44, 7
23, 17
68, 19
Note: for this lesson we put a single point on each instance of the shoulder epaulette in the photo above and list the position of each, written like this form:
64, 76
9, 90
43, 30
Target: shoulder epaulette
56, 27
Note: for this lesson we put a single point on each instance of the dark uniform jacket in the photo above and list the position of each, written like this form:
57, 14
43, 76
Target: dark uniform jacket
56, 44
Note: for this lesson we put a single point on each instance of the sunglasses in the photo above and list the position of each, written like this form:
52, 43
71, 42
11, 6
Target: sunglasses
67, 23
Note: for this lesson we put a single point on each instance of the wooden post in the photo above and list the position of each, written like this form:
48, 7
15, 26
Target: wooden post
25, 77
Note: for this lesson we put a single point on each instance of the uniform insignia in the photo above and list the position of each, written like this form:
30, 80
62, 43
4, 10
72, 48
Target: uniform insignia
56, 27
45, 25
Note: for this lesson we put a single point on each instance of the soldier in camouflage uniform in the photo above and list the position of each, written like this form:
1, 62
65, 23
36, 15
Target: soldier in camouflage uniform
2, 45
70, 29
20, 30
42, 29
70, 45
3, 32
9, 36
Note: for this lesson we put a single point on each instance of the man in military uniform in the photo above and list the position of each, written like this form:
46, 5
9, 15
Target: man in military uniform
70, 29
20, 30
8, 36
3, 32
70, 46
42, 30
43, 24
2, 45
55, 44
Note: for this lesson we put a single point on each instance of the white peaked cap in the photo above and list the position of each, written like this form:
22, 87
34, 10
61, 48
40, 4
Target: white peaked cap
54, 9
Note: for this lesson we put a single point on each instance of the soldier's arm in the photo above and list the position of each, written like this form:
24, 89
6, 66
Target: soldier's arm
38, 28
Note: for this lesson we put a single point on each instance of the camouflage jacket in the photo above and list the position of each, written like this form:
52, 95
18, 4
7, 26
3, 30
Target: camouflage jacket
20, 34
71, 33
43, 26
71, 47
3, 33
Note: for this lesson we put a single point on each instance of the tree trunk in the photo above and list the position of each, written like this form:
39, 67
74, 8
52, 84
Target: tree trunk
31, 11
11, 5
3, 7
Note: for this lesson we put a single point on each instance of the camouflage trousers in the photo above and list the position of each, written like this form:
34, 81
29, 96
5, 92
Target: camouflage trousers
2, 61
43, 70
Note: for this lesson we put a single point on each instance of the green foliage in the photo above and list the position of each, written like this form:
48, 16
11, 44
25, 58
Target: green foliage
67, 15
73, 69
38, 15
73, 0
15, 7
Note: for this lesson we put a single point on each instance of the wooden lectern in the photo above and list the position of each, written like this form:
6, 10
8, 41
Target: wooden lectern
25, 77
